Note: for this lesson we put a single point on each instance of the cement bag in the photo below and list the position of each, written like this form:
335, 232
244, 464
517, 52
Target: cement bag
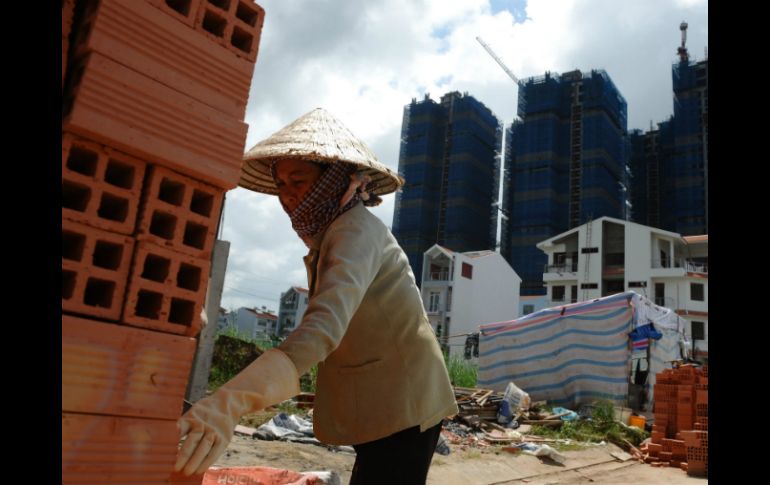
513, 400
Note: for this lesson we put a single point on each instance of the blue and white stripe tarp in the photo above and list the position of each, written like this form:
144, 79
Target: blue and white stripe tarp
573, 354
578, 353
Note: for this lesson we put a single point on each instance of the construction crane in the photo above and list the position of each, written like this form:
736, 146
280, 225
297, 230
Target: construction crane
682, 51
499, 61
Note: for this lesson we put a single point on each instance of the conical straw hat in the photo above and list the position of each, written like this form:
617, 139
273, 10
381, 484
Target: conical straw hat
316, 136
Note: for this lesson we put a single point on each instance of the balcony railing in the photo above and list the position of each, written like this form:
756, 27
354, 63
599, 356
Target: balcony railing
681, 263
665, 301
438, 276
561, 268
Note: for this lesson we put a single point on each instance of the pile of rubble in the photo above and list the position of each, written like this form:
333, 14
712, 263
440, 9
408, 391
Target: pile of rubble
476, 425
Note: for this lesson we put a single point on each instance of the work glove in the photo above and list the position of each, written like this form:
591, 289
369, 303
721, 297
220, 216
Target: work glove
210, 422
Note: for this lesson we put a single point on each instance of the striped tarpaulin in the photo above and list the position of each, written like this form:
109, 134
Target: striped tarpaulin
572, 354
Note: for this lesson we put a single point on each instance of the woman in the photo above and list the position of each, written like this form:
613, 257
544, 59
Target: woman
382, 384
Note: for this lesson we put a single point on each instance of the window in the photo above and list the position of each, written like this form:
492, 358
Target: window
573, 293
433, 302
696, 291
557, 293
614, 286
697, 329
528, 309
449, 299
589, 286
467, 271
589, 250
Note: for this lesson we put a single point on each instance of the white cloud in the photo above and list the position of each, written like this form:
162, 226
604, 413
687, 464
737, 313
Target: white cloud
363, 61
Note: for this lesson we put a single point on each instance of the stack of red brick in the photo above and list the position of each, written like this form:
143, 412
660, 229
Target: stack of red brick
680, 426
154, 97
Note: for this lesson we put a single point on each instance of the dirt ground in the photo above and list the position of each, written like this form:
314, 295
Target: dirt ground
489, 466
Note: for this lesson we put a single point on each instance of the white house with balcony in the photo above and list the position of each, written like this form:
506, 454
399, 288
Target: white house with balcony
292, 308
461, 291
608, 256
249, 322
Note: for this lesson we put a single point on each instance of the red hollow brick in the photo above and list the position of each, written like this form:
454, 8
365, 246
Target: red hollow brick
235, 24
101, 187
179, 213
132, 33
124, 109
95, 266
166, 290
184, 11
124, 371
64, 50
179, 479
67, 12
112, 450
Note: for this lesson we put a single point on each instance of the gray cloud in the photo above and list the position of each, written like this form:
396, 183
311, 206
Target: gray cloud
363, 61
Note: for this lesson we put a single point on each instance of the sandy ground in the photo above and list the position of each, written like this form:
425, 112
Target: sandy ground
490, 466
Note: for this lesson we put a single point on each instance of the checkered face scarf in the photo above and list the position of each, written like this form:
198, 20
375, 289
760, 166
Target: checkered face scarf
337, 186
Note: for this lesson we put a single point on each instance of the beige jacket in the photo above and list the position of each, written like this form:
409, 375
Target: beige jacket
380, 367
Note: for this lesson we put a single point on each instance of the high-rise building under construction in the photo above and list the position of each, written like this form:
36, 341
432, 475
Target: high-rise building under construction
565, 163
450, 158
669, 188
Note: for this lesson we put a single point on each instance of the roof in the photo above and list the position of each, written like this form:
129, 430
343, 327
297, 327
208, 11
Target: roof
442, 249
478, 254
261, 314
298, 289
552, 240
696, 239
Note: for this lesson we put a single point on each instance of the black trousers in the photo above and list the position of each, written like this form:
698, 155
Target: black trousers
402, 458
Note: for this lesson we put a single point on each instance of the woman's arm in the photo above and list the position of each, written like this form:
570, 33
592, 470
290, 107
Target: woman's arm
350, 257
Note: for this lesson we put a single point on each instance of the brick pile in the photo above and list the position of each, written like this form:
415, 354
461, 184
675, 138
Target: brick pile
154, 96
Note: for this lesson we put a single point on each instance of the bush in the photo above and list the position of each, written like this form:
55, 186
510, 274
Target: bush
462, 373
231, 355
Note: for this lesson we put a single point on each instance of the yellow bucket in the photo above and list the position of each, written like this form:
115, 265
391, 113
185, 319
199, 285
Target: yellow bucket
637, 421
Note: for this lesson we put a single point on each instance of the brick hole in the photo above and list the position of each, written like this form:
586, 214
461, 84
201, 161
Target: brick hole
171, 192
223, 4
247, 14
181, 6
113, 208
148, 304
188, 277
202, 203
214, 24
195, 235
182, 311
99, 293
120, 174
156, 268
108, 255
72, 245
242, 40
68, 279
82, 160
163, 225
74, 196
